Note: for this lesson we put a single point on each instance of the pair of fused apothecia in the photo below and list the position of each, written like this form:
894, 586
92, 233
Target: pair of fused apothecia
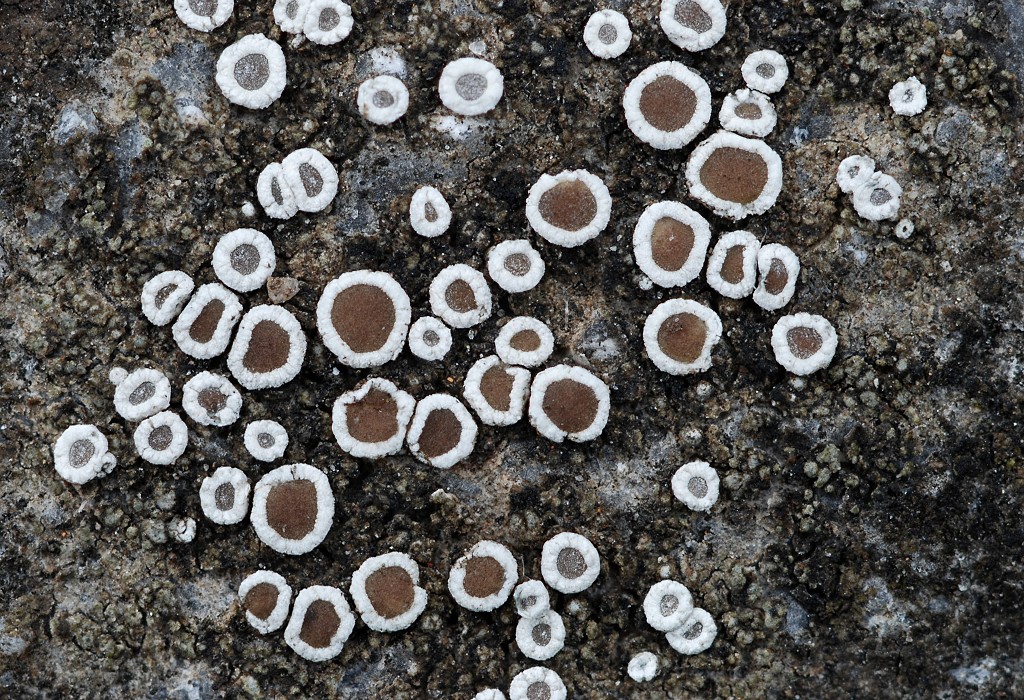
321, 619
304, 181
324, 22
737, 259
875, 195
377, 418
669, 608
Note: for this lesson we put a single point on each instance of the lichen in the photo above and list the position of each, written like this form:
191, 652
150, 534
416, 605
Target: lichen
922, 398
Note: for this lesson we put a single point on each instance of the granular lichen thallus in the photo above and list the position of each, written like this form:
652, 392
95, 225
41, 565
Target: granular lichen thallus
364, 318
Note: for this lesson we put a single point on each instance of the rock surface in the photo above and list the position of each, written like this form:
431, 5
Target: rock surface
867, 541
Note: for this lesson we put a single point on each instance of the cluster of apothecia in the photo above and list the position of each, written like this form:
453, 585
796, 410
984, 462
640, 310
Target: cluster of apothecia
365, 318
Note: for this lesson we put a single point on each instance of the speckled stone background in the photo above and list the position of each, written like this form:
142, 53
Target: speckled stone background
867, 542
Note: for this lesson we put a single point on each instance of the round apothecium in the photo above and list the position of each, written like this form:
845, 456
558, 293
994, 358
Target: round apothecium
269, 348
570, 563
695, 635
162, 438
266, 597
878, 198
696, 484
524, 341
569, 402
252, 72
266, 440
643, 667
210, 399
327, 21
735, 176
80, 454
293, 508
243, 259
853, 172
429, 212
141, 394
459, 295
542, 636
164, 295
680, 334
490, 694
909, 97
531, 598
429, 338
321, 623
386, 592
363, 317
382, 100
667, 105
224, 496
515, 265
670, 243
290, 15
537, 683
470, 86
482, 579
607, 34
570, 208
765, 71
804, 343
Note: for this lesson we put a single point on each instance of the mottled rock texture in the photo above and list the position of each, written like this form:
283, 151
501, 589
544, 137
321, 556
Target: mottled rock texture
867, 542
